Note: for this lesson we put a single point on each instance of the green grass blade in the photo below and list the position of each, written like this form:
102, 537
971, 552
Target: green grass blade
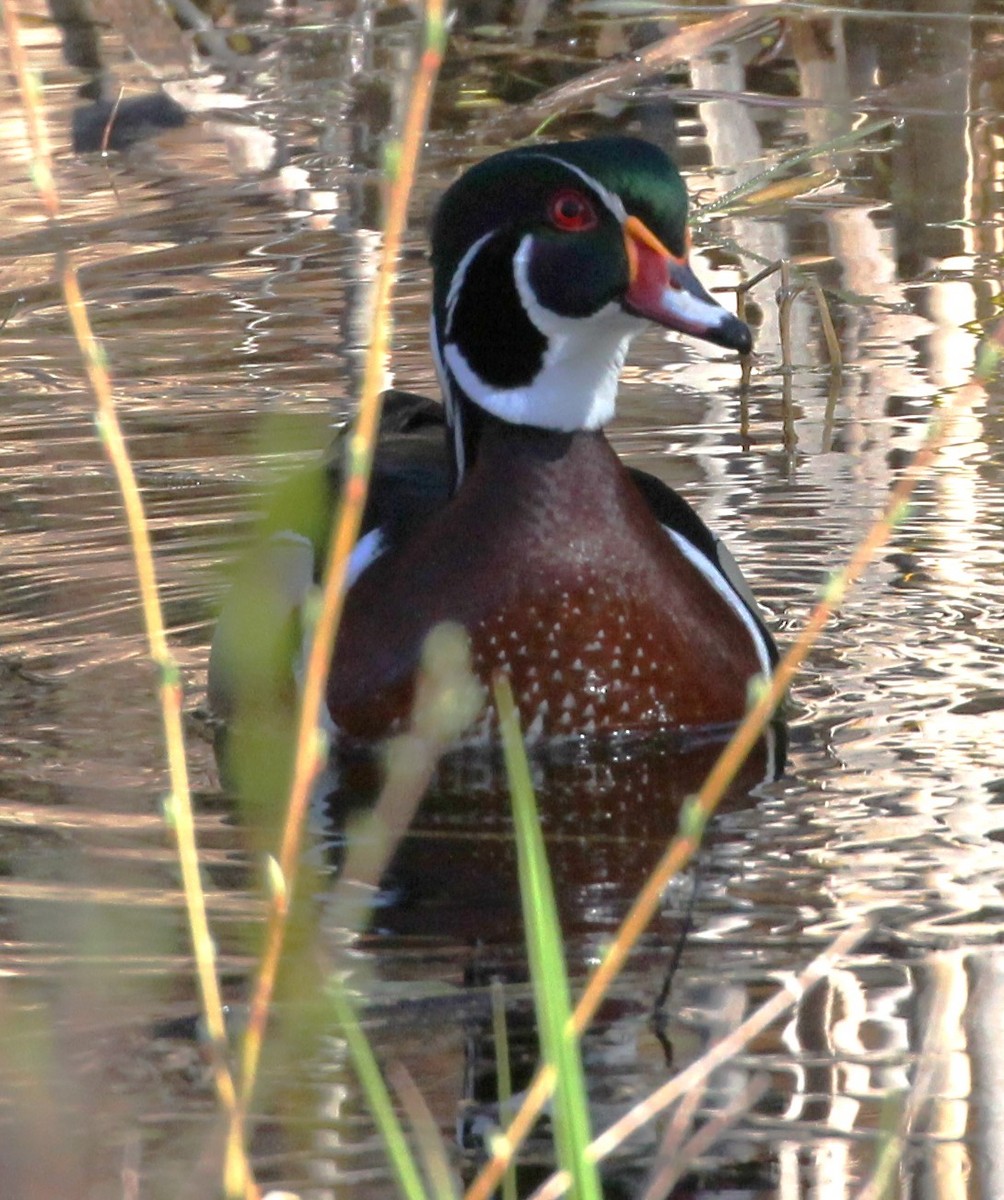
381, 1106
559, 1044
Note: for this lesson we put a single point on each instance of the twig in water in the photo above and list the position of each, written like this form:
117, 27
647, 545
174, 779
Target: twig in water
696, 1075
683, 44
670, 1170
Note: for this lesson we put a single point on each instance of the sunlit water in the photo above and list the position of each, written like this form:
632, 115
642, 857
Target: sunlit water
227, 266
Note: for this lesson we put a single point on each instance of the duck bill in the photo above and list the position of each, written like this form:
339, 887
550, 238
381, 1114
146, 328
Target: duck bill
664, 289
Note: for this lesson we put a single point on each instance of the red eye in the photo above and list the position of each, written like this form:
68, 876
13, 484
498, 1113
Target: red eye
572, 211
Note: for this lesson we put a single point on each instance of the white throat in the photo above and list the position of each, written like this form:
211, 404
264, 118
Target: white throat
576, 388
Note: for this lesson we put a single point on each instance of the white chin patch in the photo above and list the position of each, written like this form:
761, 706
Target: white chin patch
576, 387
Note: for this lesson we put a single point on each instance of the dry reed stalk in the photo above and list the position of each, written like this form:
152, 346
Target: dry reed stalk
311, 747
179, 807
700, 807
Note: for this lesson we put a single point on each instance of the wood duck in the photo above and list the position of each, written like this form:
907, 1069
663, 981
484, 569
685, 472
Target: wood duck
596, 587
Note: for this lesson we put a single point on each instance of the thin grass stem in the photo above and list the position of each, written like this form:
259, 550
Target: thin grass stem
845, 141
559, 1040
311, 748
503, 1073
428, 1139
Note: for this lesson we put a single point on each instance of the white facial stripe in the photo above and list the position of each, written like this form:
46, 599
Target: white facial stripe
459, 275
610, 199
557, 399
454, 420
711, 573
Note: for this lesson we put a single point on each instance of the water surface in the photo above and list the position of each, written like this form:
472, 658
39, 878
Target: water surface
227, 264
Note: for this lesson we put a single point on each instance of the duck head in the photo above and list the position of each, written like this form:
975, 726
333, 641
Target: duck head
546, 262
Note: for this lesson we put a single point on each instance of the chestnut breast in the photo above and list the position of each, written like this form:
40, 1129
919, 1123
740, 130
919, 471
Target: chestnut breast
552, 560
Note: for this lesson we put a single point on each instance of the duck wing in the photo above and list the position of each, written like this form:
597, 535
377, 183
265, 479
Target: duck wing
258, 639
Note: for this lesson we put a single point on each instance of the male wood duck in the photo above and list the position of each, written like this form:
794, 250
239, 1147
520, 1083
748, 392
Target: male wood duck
596, 587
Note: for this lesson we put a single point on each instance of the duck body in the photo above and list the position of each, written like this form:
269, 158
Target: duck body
595, 587
552, 558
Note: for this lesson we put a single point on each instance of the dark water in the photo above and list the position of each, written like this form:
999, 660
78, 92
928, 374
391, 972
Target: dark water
227, 264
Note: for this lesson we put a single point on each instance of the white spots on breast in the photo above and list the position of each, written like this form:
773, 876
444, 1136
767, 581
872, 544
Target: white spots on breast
599, 668
536, 726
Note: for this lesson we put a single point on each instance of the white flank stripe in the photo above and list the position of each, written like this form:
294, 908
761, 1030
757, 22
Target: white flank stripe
724, 589
366, 551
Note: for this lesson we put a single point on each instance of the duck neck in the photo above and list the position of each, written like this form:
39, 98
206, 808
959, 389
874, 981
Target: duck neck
479, 438
515, 461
